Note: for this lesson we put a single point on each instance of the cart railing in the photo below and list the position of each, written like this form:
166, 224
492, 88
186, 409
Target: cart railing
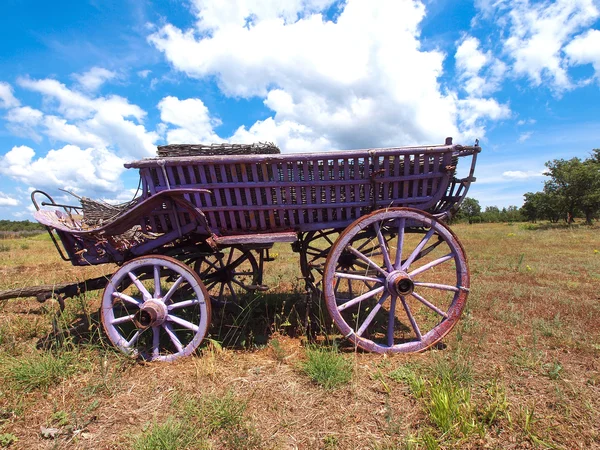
303, 192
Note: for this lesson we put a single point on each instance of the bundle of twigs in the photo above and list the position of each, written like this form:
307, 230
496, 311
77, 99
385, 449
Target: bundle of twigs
260, 148
97, 213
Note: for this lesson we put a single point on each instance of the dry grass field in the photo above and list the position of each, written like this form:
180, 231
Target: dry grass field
520, 370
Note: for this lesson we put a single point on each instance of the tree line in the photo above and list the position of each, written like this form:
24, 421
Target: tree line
20, 225
573, 191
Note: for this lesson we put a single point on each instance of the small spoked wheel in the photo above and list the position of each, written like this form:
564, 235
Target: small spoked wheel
228, 274
155, 308
400, 294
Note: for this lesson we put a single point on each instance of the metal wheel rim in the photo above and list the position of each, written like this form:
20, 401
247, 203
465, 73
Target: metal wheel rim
453, 311
173, 337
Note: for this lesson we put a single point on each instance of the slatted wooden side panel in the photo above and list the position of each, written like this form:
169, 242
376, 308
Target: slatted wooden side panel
306, 193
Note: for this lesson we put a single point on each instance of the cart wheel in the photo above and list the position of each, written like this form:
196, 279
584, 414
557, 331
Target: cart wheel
313, 251
155, 308
405, 294
316, 246
228, 275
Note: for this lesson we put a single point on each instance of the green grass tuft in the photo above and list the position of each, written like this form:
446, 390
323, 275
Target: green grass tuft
38, 371
327, 368
171, 435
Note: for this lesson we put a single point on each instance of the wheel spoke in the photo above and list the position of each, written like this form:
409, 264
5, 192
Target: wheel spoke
383, 247
391, 321
123, 319
230, 256
360, 298
372, 314
442, 287
412, 320
172, 290
367, 260
431, 264
211, 285
155, 342
357, 277
337, 285
232, 291
430, 305
174, 339
182, 322
140, 286
400, 244
416, 251
238, 262
156, 281
183, 304
127, 298
240, 284
134, 339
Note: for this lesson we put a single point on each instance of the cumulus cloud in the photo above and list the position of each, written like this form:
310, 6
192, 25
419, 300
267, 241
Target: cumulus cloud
585, 49
191, 118
524, 136
479, 72
22, 121
215, 15
538, 33
7, 99
82, 119
521, 175
81, 170
7, 200
94, 78
361, 80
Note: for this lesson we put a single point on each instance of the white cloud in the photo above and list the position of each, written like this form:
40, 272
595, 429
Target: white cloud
524, 136
58, 129
23, 121
86, 171
144, 73
215, 15
7, 99
585, 49
94, 78
6, 200
85, 120
526, 122
521, 175
474, 111
360, 81
537, 35
191, 118
480, 73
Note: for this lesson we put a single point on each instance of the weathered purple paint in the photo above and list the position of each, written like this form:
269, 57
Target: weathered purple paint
389, 281
247, 200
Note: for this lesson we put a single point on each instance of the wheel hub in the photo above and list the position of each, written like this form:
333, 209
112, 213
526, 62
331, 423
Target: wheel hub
153, 313
399, 283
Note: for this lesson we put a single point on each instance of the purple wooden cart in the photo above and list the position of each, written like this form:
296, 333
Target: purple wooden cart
369, 227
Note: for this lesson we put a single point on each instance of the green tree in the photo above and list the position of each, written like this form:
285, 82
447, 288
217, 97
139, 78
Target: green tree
577, 183
491, 214
470, 208
532, 208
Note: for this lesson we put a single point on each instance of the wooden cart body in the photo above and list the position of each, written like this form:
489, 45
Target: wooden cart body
195, 212
254, 195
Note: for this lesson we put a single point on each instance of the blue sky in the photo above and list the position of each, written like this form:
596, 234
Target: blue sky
88, 85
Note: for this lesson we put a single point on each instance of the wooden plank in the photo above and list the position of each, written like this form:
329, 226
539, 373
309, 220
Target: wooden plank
259, 201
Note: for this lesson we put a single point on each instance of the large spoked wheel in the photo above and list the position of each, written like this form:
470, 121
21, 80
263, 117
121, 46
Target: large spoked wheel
229, 274
314, 251
155, 308
406, 293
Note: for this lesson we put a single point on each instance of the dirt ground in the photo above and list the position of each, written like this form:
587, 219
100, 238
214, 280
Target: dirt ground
520, 370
